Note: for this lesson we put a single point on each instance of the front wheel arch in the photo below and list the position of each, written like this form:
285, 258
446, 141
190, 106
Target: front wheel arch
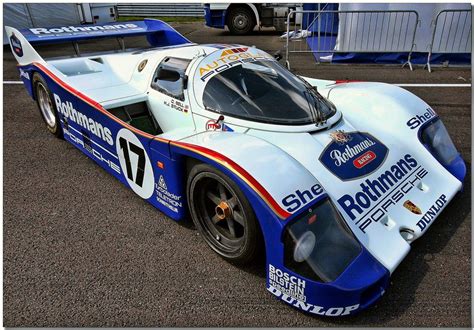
259, 251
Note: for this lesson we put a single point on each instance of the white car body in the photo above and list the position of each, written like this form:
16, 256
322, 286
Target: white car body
284, 159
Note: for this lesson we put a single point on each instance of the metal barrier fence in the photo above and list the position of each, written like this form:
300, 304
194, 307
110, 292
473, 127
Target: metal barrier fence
368, 31
160, 9
451, 33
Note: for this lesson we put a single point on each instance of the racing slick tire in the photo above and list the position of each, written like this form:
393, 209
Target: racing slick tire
241, 20
48, 111
223, 215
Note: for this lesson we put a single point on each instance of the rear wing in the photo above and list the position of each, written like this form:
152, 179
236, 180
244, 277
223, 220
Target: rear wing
158, 34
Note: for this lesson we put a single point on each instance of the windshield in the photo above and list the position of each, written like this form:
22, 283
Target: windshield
264, 91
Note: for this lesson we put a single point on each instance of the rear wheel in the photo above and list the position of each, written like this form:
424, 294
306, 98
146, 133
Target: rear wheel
48, 111
223, 215
241, 20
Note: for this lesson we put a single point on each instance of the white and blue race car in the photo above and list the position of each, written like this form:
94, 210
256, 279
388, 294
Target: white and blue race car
331, 181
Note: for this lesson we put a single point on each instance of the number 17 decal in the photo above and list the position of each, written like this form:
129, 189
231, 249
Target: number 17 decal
135, 163
125, 146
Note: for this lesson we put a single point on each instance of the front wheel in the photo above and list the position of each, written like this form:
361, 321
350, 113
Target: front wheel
46, 106
223, 215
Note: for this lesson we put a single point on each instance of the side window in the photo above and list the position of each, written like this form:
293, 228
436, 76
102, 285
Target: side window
170, 78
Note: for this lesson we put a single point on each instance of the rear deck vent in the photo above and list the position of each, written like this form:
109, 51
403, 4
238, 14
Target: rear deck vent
98, 60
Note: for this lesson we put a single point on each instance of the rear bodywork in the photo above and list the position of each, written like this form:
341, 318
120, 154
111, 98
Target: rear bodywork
367, 168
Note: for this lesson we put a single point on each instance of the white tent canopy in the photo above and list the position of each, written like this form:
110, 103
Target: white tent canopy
375, 34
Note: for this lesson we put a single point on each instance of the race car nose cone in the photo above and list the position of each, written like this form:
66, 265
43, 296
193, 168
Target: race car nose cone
223, 210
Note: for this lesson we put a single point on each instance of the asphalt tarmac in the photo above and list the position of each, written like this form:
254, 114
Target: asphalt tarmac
81, 249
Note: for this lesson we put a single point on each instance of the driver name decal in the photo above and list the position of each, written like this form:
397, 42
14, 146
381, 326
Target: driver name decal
352, 155
177, 105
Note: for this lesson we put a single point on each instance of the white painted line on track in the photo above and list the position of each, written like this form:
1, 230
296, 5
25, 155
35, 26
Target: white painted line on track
433, 85
9, 82
13, 82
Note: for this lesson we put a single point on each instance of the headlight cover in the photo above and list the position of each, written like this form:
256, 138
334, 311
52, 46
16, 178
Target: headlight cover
319, 245
436, 138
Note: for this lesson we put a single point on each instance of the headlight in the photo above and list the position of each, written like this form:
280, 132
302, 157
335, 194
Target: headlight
319, 245
436, 137
304, 246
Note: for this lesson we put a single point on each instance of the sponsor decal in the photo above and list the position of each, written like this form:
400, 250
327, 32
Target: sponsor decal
365, 159
24, 74
376, 196
142, 65
410, 206
299, 198
418, 120
96, 128
310, 308
233, 51
87, 140
340, 137
216, 125
353, 155
164, 197
288, 284
177, 105
16, 45
91, 149
162, 183
432, 212
85, 28
228, 60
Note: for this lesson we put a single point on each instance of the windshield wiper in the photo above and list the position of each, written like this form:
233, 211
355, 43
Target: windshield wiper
312, 91
312, 111
321, 102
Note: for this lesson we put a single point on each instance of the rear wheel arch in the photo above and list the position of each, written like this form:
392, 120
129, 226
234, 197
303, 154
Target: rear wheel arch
52, 119
34, 73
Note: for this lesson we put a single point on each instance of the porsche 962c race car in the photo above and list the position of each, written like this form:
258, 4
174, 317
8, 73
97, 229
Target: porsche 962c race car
331, 181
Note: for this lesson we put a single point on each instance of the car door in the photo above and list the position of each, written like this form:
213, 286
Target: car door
169, 102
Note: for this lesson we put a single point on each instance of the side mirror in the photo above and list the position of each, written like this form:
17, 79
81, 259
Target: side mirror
277, 55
